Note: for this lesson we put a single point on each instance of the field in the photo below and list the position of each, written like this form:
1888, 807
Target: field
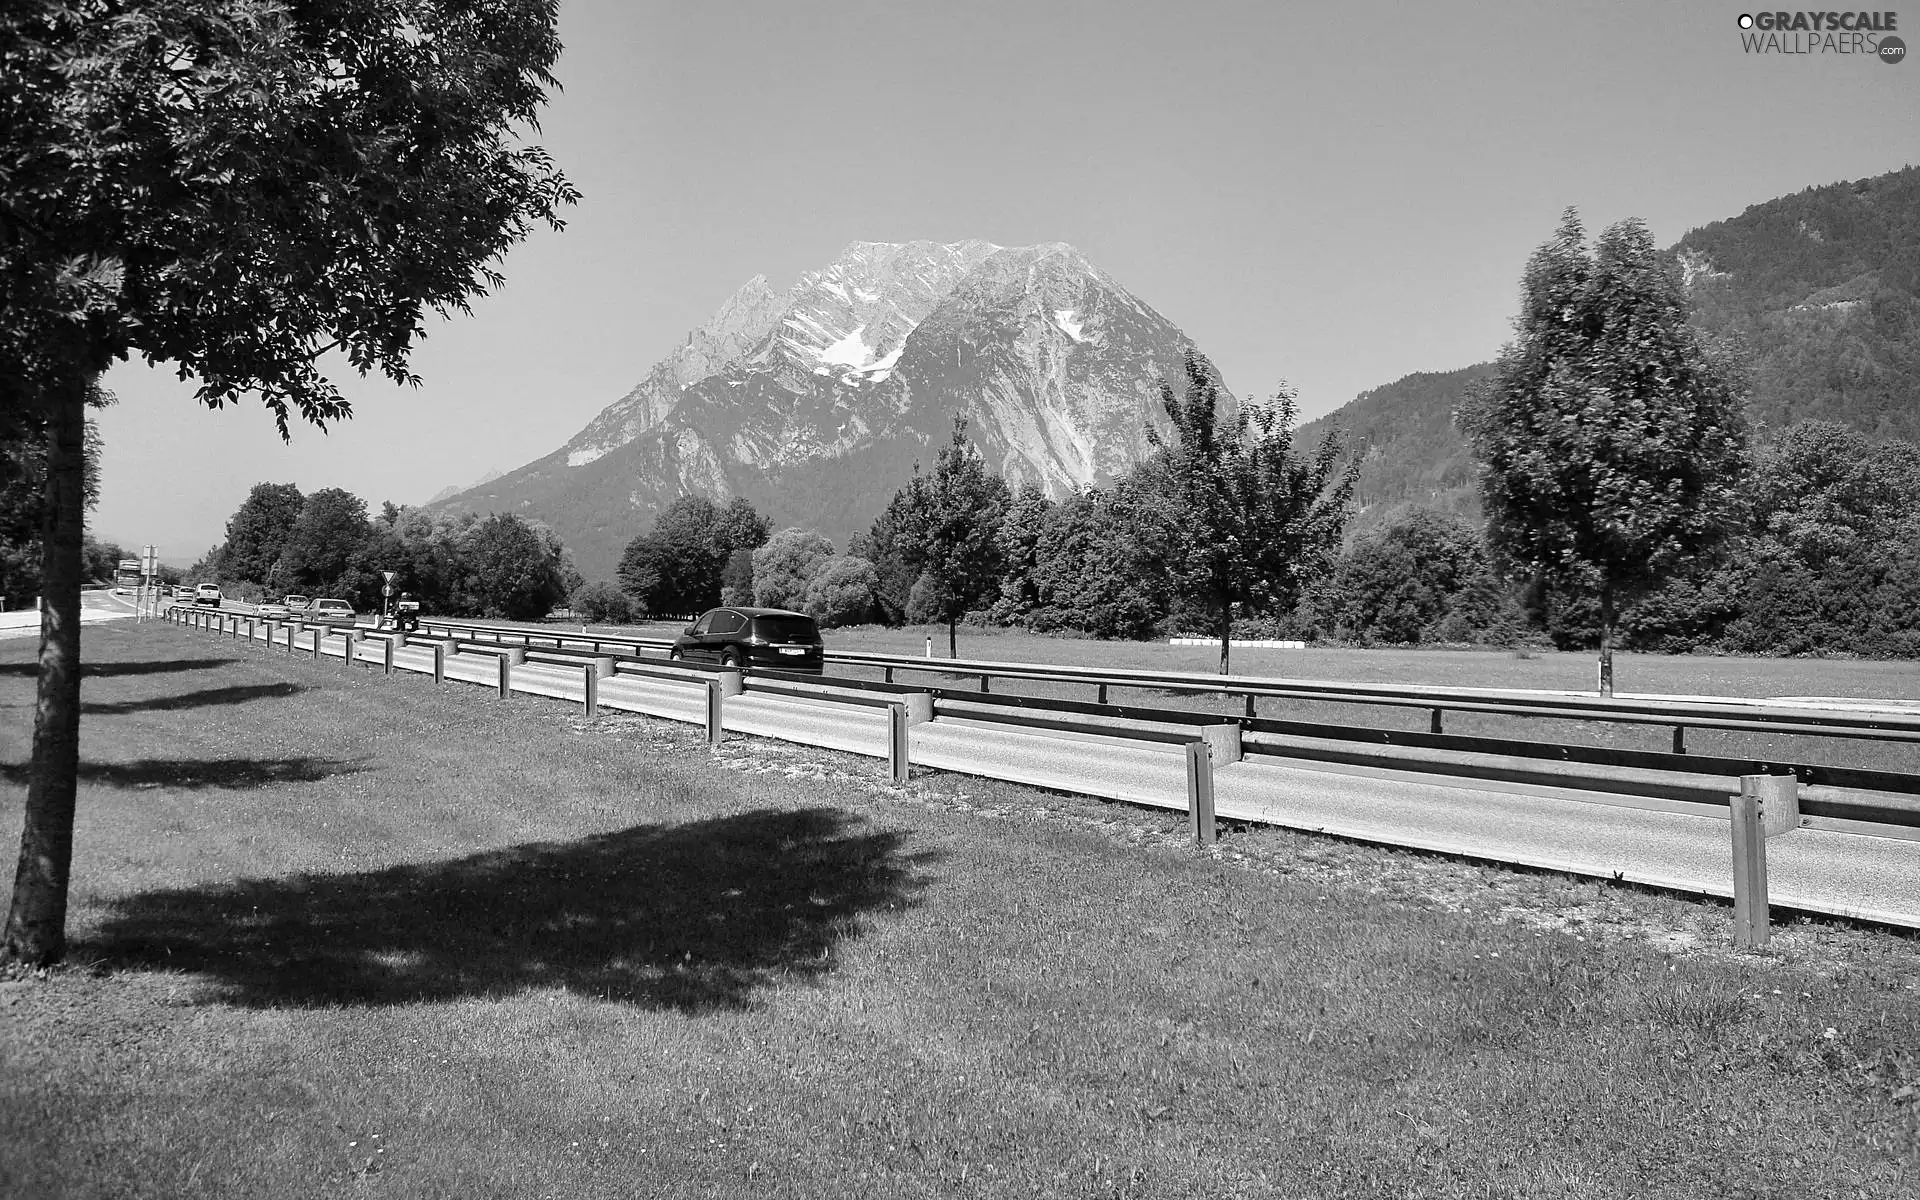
340, 932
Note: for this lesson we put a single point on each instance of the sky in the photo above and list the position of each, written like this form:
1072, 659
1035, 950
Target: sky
1329, 195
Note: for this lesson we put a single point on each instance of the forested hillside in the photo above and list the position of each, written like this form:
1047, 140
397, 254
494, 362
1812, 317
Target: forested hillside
1821, 287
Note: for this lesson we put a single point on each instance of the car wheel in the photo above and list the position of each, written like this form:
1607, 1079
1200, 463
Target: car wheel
732, 660
673, 656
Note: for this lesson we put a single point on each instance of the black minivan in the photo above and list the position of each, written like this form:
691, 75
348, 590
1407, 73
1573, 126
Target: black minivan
752, 637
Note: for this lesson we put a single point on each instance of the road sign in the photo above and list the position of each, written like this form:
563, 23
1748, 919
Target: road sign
389, 576
387, 590
129, 564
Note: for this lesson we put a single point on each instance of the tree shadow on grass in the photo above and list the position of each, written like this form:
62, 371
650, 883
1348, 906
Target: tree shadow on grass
694, 917
90, 669
240, 694
200, 772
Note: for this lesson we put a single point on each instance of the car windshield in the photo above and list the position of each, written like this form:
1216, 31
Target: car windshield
787, 629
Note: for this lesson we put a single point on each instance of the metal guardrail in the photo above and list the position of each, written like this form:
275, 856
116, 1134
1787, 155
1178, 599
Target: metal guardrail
1681, 715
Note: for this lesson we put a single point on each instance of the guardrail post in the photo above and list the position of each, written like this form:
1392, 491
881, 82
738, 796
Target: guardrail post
386, 658
319, 636
1200, 793
439, 662
353, 646
1767, 806
506, 677
732, 683
1679, 739
715, 713
590, 684
897, 748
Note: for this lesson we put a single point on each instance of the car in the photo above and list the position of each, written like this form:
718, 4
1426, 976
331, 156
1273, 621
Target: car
207, 594
331, 612
182, 592
297, 603
273, 610
771, 638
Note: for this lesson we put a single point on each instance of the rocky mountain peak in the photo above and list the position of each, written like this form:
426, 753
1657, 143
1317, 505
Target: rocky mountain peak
816, 402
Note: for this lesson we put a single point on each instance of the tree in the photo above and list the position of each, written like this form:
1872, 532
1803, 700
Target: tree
783, 568
512, 571
840, 591
603, 603
944, 525
258, 531
236, 188
1252, 522
678, 566
322, 543
1610, 437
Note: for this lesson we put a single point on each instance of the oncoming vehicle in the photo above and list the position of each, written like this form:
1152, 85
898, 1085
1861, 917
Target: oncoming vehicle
273, 610
297, 604
208, 594
773, 638
331, 612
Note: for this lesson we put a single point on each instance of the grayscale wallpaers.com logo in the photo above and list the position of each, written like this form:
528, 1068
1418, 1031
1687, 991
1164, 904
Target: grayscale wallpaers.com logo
1864, 33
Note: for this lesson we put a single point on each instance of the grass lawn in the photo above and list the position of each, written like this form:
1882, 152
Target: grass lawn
343, 933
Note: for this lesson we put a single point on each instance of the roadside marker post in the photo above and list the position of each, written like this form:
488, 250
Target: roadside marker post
319, 636
1767, 806
386, 658
590, 688
439, 662
1200, 793
506, 677
899, 762
715, 715
353, 646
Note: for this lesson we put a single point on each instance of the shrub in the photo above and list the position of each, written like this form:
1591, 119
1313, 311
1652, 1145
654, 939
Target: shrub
603, 603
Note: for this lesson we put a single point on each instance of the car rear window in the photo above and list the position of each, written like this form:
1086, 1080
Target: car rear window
787, 629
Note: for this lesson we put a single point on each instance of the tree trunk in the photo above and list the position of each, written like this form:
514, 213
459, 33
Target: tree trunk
37, 921
1606, 639
953, 639
1226, 635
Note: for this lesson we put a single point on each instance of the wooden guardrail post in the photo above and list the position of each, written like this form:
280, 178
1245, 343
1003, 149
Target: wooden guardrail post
1767, 806
898, 750
1200, 793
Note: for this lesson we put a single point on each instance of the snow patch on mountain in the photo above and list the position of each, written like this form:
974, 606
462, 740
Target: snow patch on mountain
1069, 323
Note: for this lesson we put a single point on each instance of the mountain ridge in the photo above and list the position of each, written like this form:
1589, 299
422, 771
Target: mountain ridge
816, 403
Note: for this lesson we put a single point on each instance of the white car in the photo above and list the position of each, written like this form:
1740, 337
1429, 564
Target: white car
331, 612
273, 610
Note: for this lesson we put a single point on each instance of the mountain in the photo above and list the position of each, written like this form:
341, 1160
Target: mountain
1820, 287
454, 490
816, 403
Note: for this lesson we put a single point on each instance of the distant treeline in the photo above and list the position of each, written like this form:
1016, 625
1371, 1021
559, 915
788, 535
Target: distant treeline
1827, 561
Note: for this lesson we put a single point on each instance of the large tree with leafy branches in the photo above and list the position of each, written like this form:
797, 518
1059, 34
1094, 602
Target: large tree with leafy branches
236, 188
1611, 437
1249, 522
